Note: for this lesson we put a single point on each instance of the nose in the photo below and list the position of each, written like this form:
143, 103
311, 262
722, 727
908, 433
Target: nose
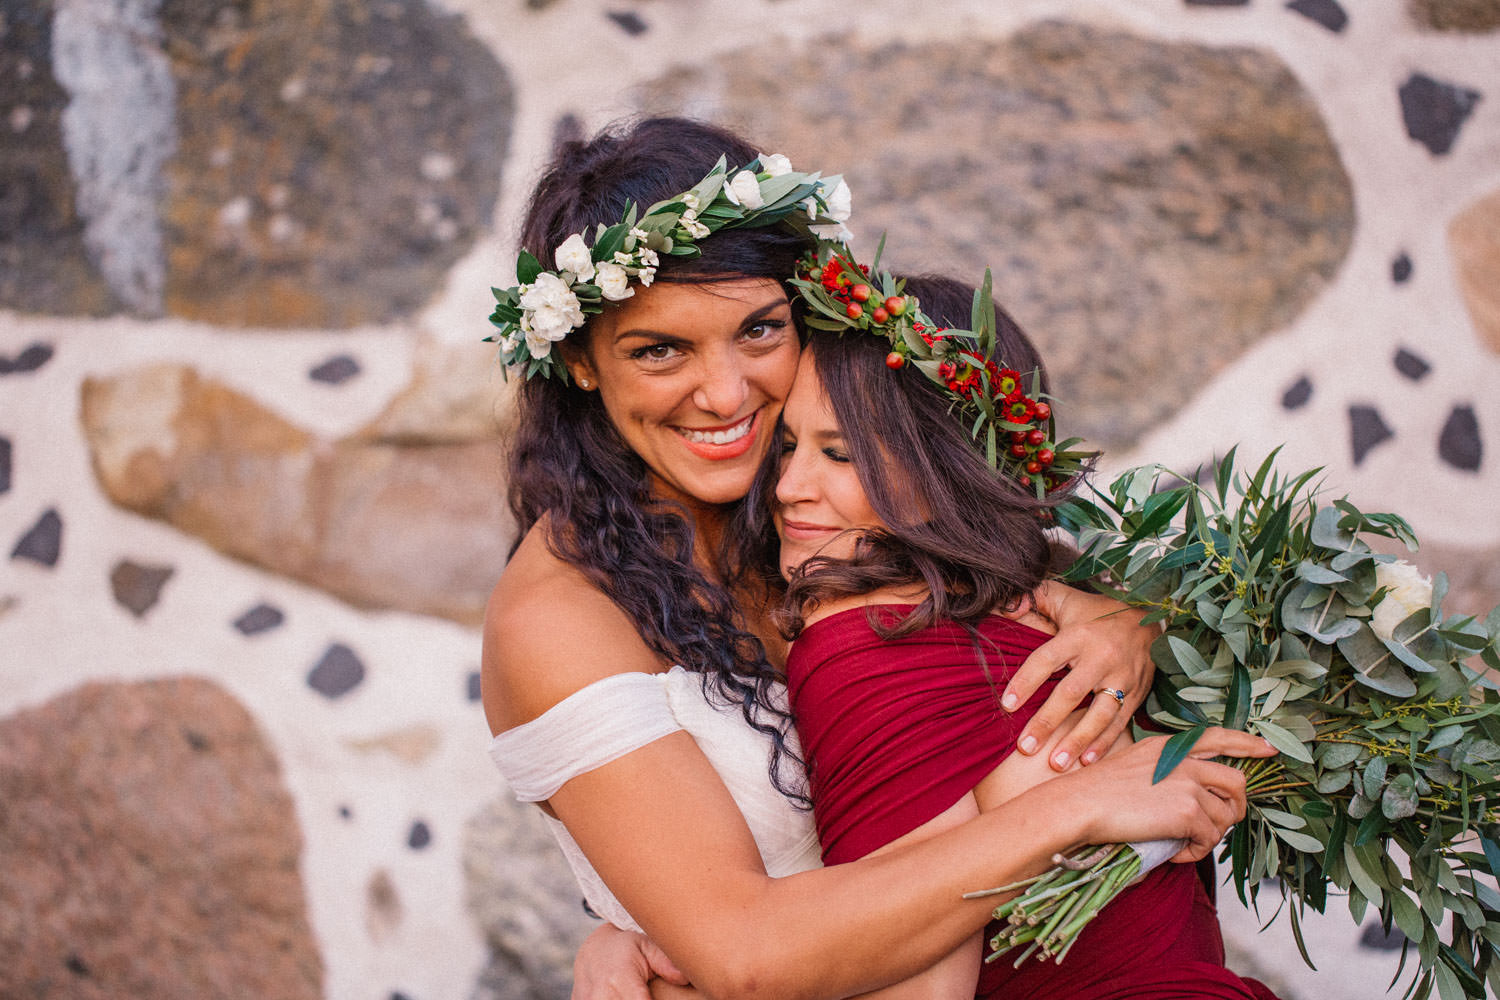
794, 483
723, 388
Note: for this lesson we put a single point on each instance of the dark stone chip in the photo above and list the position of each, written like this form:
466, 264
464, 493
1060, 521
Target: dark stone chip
5, 450
629, 20
28, 360
1459, 444
345, 812
261, 618
474, 686
1401, 269
1328, 13
336, 370
1297, 395
137, 586
398, 995
76, 965
1377, 938
337, 673
1217, 3
1410, 365
419, 837
1367, 429
43, 542
1435, 111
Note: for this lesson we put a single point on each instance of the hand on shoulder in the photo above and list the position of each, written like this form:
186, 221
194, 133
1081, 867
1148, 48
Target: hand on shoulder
549, 632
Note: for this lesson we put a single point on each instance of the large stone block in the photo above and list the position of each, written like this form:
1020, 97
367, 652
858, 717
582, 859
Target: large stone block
419, 527
1150, 208
1474, 240
150, 849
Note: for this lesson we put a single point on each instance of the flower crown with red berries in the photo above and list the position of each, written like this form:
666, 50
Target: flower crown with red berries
1013, 428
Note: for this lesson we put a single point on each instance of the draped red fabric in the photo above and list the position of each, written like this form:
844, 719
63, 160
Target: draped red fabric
897, 730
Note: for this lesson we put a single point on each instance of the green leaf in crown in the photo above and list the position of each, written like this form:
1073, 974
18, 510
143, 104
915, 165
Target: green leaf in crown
547, 305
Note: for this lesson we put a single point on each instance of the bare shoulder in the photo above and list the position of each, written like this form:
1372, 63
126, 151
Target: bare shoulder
548, 632
848, 602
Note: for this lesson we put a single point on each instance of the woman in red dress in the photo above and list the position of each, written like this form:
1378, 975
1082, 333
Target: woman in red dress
909, 561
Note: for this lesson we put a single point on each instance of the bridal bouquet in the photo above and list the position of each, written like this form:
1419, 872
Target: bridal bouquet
1280, 619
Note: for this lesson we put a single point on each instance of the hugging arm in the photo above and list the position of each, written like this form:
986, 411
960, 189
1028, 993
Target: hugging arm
1103, 645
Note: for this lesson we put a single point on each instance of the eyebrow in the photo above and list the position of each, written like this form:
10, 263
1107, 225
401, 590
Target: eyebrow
657, 335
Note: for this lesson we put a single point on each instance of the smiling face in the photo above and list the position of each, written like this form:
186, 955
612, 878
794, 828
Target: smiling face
693, 376
820, 502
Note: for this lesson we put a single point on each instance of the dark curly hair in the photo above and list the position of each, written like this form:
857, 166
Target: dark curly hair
569, 463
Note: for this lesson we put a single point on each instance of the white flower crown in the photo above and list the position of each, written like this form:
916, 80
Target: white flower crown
546, 306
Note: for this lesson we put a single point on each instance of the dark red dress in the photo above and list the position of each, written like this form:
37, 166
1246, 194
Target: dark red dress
896, 731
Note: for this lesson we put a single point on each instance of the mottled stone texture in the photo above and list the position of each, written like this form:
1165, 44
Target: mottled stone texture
523, 896
150, 849
1150, 209
380, 524
1474, 239
335, 157
44, 267
1475, 16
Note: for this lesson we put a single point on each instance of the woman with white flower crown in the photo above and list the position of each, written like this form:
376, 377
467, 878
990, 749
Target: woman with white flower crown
629, 673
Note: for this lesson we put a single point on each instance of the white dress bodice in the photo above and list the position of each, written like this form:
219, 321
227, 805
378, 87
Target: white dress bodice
623, 712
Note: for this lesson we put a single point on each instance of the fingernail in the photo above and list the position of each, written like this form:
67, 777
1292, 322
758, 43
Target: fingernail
1089, 757
1009, 702
1268, 743
1028, 744
1061, 759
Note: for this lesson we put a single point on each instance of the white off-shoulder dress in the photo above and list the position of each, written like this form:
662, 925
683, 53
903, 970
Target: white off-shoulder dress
611, 717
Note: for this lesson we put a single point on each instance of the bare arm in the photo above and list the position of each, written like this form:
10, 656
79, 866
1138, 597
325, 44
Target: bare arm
1104, 645
663, 832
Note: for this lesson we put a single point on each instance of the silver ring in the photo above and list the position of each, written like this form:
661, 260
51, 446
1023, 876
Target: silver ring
1116, 693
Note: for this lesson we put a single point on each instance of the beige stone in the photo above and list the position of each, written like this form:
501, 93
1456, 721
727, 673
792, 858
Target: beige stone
411, 745
1150, 209
1474, 240
150, 849
457, 393
1469, 16
421, 528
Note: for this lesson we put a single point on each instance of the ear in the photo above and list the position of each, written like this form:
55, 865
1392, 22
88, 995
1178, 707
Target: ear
580, 368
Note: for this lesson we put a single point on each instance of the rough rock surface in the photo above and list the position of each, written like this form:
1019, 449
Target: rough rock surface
1474, 239
1474, 16
335, 157
423, 529
44, 266
522, 894
1150, 209
150, 849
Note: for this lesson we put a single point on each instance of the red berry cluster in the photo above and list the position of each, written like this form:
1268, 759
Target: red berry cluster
843, 280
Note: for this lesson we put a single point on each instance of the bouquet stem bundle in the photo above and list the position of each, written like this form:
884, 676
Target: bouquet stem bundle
1279, 619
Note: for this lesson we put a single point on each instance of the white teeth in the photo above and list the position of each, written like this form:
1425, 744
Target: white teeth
717, 437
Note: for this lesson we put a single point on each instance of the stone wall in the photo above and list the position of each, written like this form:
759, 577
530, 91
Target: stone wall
251, 491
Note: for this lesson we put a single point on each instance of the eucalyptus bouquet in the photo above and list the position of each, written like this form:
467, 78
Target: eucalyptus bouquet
1279, 619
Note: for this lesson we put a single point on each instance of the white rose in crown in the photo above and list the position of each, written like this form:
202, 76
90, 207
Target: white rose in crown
743, 189
775, 164
1408, 591
550, 312
573, 256
614, 282
840, 203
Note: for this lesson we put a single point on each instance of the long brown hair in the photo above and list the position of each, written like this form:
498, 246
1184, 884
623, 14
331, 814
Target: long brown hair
973, 537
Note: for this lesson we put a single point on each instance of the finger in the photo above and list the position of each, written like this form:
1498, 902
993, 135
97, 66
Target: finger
1220, 742
1086, 732
662, 966
1044, 661
1064, 700
1106, 738
628, 987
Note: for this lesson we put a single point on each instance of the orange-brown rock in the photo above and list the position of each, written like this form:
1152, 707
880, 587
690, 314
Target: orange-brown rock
1474, 240
150, 849
1469, 16
381, 524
